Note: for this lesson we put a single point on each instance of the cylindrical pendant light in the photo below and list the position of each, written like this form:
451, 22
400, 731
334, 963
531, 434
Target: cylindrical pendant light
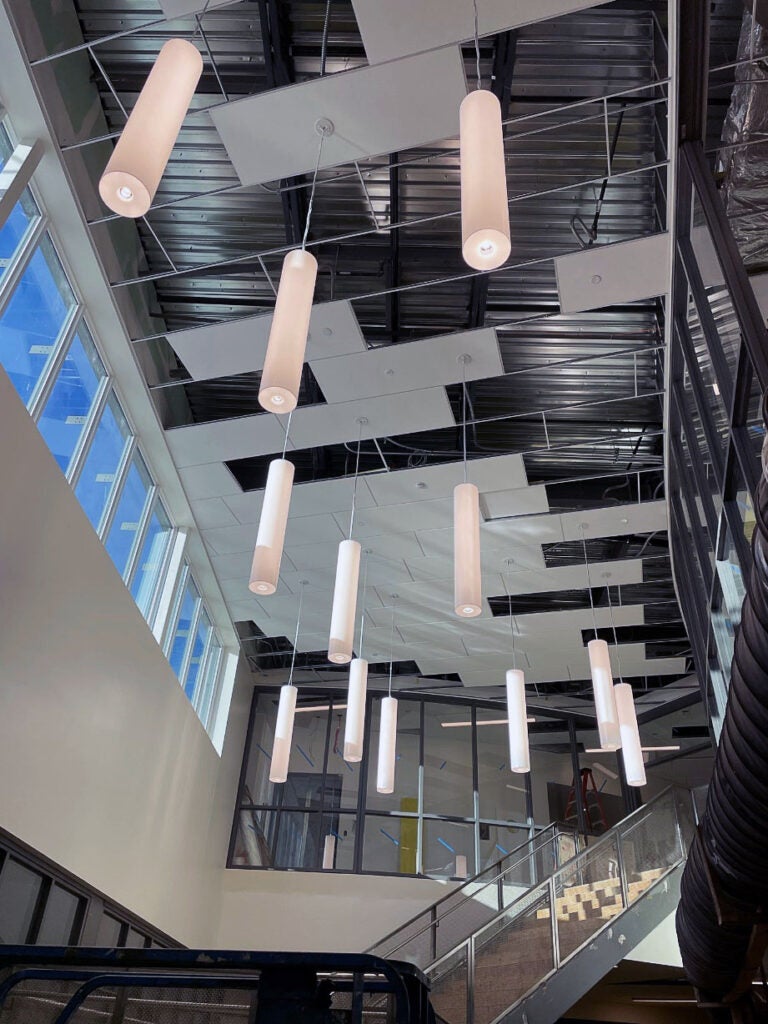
466, 551
329, 852
461, 866
281, 377
385, 771
519, 754
631, 750
485, 237
131, 177
286, 713
603, 688
344, 603
355, 721
265, 570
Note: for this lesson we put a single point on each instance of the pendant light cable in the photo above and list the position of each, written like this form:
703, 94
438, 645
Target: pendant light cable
391, 647
511, 625
362, 610
615, 634
324, 45
589, 580
477, 44
287, 431
312, 191
464, 412
362, 422
298, 624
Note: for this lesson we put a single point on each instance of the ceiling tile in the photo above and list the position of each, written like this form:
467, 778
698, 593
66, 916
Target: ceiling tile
212, 512
610, 275
209, 480
427, 482
239, 346
521, 501
374, 110
223, 440
618, 520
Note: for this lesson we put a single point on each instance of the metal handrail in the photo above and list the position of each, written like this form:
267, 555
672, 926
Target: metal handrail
619, 831
531, 847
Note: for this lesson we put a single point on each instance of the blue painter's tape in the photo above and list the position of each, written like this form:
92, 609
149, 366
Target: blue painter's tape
501, 850
446, 845
306, 756
443, 765
391, 838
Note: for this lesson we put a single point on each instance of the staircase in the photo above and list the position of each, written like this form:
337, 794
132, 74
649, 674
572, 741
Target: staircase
543, 950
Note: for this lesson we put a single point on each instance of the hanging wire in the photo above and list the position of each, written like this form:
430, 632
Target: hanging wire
615, 634
312, 192
362, 609
391, 647
287, 431
464, 413
324, 45
354, 485
589, 580
477, 44
296, 637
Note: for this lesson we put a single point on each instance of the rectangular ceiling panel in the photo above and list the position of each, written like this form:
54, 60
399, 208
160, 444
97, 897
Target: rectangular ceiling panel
223, 440
493, 474
608, 275
399, 27
239, 346
406, 367
374, 110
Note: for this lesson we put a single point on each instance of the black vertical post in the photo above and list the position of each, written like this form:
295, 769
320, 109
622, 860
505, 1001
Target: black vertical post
581, 811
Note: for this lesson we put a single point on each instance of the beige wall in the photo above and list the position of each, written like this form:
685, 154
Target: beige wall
105, 766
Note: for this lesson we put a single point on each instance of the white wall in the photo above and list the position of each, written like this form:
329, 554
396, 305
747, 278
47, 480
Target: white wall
105, 766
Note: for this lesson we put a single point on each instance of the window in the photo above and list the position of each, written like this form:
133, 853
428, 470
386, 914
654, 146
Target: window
69, 405
99, 474
151, 559
187, 608
129, 514
33, 319
24, 214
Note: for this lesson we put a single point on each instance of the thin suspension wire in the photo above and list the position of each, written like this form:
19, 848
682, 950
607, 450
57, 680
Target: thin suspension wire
312, 192
589, 581
477, 44
464, 414
615, 634
362, 608
511, 623
354, 485
296, 636
391, 647
287, 431
324, 46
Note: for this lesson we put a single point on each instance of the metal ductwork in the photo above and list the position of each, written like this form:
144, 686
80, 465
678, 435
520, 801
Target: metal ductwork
725, 883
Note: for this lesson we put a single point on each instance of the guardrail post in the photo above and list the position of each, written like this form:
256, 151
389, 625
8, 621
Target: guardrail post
433, 932
471, 980
553, 922
622, 872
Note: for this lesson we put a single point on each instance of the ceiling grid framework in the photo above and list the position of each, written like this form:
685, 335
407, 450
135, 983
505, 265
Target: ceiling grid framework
564, 401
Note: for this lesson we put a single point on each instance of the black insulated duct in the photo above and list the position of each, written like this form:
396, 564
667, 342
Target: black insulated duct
724, 888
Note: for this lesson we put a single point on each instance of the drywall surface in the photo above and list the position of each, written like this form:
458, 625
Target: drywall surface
106, 768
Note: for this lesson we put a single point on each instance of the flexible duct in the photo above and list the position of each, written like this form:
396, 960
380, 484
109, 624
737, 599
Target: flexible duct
730, 854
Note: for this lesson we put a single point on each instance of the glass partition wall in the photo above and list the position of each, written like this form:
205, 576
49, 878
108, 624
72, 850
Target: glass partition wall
456, 807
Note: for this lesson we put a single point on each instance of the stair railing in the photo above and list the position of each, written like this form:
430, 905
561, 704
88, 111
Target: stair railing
420, 940
468, 986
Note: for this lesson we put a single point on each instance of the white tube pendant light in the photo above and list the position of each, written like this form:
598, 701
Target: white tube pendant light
131, 177
467, 575
284, 361
485, 235
519, 754
286, 713
385, 769
460, 870
603, 690
342, 632
600, 670
355, 721
631, 750
329, 852
268, 553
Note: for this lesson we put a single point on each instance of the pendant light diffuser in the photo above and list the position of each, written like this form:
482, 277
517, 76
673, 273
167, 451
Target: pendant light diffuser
605, 700
329, 852
265, 570
485, 237
281, 746
281, 377
385, 772
631, 750
355, 721
344, 603
466, 551
131, 177
519, 753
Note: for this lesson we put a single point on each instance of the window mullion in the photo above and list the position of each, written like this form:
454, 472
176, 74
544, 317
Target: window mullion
45, 385
24, 254
141, 532
117, 488
188, 650
80, 453
173, 618
198, 695
170, 575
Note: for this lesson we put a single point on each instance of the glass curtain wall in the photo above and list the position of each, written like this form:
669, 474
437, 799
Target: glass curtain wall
53, 362
456, 807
